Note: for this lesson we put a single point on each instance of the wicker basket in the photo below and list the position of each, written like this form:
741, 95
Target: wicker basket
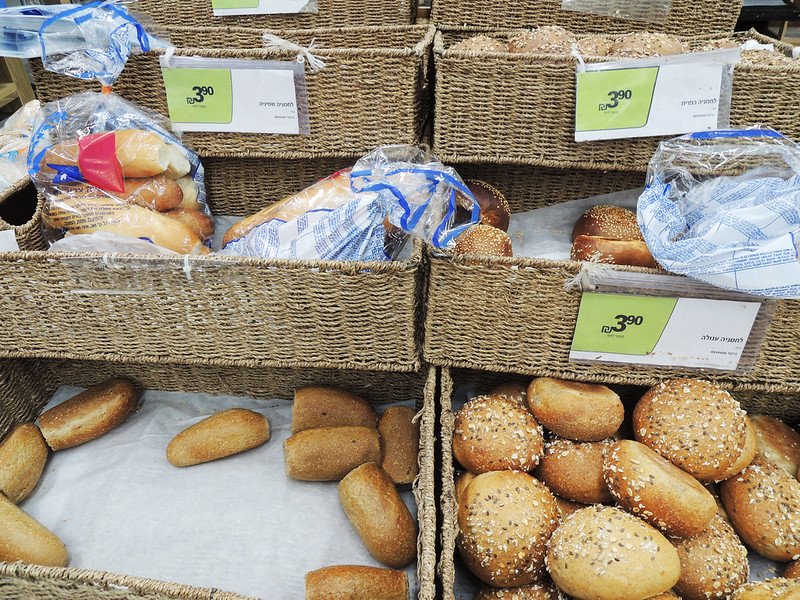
514, 314
20, 211
374, 89
520, 109
27, 385
685, 18
785, 406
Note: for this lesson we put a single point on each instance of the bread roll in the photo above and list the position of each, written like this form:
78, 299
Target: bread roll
190, 193
156, 193
567, 507
198, 222
505, 519
534, 591
88, 415
400, 444
651, 487
641, 44
792, 570
574, 470
763, 502
776, 442
23, 538
495, 210
577, 411
463, 479
515, 391
479, 43
608, 221
379, 515
330, 453
493, 433
713, 563
747, 453
614, 252
604, 553
325, 406
23, 454
223, 434
694, 424
542, 40
595, 45
772, 589
354, 582
484, 240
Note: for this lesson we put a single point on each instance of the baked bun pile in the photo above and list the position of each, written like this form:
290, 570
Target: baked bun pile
644, 44
542, 40
610, 234
479, 43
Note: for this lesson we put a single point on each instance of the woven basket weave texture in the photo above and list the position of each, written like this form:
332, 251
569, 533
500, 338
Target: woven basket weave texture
28, 235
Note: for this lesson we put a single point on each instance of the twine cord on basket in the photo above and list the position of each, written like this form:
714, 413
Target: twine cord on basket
589, 272
303, 52
168, 54
576, 53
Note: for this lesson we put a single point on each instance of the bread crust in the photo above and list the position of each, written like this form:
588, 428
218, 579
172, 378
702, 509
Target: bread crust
400, 444
534, 591
330, 453
608, 221
23, 455
574, 470
777, 442
326, 406
634, 253
356, 582
484, 240
23, 538
773, 589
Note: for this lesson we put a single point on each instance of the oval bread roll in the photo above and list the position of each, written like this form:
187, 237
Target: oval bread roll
325, 406
379, 515
505, 519
463, 479
484, 240
604, 553
534, 591
713, 563
495, 210
574, 470
577, 411
746, 455
330, 453
226, 433
400, 444
23, 454
634, 253
792, 570
651, 487
88, 415
515, 391
354, 582
197, 221
773, 589
763, 502
156, 193
493, 433
777, 443
608, 221
23, 538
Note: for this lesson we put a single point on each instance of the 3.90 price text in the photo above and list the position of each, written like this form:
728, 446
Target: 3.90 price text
616, 96
201, 91
623, 322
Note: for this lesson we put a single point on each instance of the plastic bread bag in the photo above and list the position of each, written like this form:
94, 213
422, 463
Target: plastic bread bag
15, 138
647, 11
724, 207
366, 213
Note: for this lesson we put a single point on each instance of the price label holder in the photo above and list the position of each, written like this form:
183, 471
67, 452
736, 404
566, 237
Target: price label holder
668, 95
232, 8
667, 321
242, 96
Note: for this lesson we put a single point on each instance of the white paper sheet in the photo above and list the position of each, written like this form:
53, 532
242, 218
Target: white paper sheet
238, 524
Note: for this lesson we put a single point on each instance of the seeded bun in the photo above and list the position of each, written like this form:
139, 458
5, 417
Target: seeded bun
582, 412
651, 487
484, 240
574, 470
608, 221
493, 433
792, 570
515, 391
595, 45
542, 40
534, 591
763, 502
505, 519
644, 44
495, 210
479, 43
634, 253
713, 563
776, 442
463, 479
567, 507
765, 58
694, 424
772, 589
604, 553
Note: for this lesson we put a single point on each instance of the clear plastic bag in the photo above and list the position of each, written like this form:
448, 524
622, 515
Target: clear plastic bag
724, 207
15, 138
647, 11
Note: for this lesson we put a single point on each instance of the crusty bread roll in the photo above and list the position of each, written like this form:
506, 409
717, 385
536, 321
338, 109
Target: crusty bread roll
197, 221
776, 442
567, 507
534, 591
400, 444
23, 454
330, 453
355, 582
604, 553
792, 570
379, 515
549, 39
694, 424
23, 538
747, 453
608, 221
223, 434
651, 487
88, 415
484, 240
515, 391
325, 406
574, 470
577, 411
713, 562
479, 43
495, 210
190, 193
641, 44
505, 519
763, 503
772, 589
633, 253
463, 479
595, 45
156, 193
493, 433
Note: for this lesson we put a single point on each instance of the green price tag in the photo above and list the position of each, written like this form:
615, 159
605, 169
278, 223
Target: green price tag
621, 324
615, 99
199, 95
234, 3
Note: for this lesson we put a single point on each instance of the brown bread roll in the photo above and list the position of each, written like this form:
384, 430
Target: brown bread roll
23, 538
88, 415
226, 433
772, 589
574, 470
23, 454
549, 39
641, 44
156, 193
792, 570
515, 391
484, 240
190, 193
604, 553
534, 591
582, 412
694, 424
713, 563
495, 210
763, 502
479, 43
354, 582
463, 479
651, 487
567, 507
330, 453
608, 221
776, 442
197, 221
595, 45
747, 453
400, 444
505, 519
379, 515
613, 252
325, 406
493, 433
